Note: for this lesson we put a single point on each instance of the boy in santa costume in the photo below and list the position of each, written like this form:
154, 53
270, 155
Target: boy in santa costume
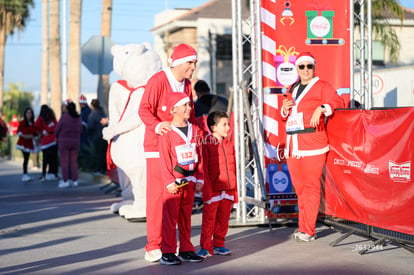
156, 116
181, 176
312, 99
220, 185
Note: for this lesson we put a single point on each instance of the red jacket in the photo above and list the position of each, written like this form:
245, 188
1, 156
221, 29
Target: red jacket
154, 109
316, 93
219, 165
26, 144
176, 149
47, 130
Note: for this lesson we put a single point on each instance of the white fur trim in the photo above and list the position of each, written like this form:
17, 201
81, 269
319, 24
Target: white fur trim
182, 101
303, 59
182, 60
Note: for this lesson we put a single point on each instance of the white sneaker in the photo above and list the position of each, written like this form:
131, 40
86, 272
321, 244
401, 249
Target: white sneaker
75, 183
303, 237
51, 177
26, 178
63, 184
153, 255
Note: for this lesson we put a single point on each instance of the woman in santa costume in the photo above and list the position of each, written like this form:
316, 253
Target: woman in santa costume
309, 101
156, 116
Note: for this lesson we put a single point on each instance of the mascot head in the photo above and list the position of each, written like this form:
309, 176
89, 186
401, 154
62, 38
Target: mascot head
135, 63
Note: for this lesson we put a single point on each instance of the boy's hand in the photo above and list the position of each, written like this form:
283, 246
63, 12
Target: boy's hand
172, 188
198, 187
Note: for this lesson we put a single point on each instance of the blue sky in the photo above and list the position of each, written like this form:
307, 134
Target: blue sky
131, 22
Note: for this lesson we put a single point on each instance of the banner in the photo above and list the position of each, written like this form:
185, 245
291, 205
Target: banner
289, 28
369, 170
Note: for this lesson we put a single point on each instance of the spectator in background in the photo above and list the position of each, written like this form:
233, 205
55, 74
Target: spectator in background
46, 124
68, 131
13, 125
207, 102
84, 157
3, 128
27, 133
97, 120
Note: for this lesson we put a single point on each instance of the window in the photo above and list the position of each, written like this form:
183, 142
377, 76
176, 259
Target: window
378, 53
224, 48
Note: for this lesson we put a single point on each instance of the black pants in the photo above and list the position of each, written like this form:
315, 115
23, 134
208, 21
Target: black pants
101, 146
26, 157
50, 160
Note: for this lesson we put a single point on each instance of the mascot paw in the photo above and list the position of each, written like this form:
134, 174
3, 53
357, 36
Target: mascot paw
116, 206
107, 133
132, 213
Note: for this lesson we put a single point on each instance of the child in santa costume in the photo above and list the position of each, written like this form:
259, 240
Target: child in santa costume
180, 178
156, 116
307, 142
220, 185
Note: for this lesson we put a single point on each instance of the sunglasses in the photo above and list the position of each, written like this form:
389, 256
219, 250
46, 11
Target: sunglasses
309, 66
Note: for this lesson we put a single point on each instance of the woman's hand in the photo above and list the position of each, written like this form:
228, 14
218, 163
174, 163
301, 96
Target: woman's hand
165, 127
314, 122
287, 105
172, 188
198, 187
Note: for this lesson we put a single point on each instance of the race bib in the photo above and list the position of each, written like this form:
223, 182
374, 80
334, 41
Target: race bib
186, 154
295, 123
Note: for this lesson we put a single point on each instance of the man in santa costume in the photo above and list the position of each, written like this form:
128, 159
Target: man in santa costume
155, 114
305, 107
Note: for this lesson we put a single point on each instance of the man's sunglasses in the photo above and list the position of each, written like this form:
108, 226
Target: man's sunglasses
309, 66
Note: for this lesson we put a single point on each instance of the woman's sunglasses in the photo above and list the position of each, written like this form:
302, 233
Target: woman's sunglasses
309, 66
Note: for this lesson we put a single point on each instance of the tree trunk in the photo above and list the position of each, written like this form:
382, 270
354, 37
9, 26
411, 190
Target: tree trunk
105, 31
74, 76
55, 58
45, 53
3, 38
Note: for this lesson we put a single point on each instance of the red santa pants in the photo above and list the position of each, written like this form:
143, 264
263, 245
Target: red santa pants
215, 224
177, 209
306, 173
154, 204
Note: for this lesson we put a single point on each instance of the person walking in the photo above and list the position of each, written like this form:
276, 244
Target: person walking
154, 113
67, 132
46, 124
27, 134
309, 101
97, 120
220, 186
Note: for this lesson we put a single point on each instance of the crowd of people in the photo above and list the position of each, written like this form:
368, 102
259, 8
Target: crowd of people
185, 155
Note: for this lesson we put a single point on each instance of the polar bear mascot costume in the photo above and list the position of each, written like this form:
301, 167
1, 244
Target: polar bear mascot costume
135, 63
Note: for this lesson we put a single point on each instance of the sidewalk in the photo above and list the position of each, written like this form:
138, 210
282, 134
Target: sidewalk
47, 230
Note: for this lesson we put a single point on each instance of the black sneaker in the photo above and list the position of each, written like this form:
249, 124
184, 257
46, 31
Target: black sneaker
169, 259
189, 256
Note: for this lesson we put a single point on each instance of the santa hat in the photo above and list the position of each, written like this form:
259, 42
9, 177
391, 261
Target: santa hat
177, 99
181, 54
83, 100
67, 101
305, 56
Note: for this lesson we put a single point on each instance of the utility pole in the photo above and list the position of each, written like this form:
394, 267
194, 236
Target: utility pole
44, 90
103, 82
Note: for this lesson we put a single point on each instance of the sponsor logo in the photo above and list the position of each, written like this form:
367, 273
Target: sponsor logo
371, 169
400, 172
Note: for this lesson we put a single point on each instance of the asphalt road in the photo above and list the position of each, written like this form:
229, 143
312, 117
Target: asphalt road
47, 230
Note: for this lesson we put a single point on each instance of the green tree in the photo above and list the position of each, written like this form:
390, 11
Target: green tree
16, 100
13, 15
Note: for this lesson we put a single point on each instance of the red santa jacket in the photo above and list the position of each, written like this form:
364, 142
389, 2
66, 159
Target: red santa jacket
47, 130
179, 153
154, 109
219, 164
311, 141
26, 144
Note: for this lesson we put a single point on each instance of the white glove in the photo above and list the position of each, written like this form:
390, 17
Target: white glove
108, 133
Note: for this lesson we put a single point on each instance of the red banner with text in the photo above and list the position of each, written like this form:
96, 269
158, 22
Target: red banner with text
369, 171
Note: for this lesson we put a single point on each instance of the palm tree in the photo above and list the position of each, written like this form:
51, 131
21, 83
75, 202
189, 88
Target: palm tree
44, 87
74, 76
381, 29
13, 15
105, 31
55, 58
